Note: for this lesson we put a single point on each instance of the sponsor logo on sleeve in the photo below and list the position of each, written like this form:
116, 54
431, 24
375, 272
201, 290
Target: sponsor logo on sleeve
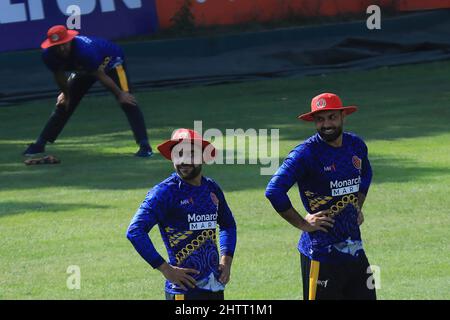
357, 162
214, 199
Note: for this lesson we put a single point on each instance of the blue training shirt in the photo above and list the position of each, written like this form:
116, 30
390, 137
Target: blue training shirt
327, 178
187, 217
87, 55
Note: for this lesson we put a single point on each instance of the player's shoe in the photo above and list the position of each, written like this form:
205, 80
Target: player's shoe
34, 149
144, 152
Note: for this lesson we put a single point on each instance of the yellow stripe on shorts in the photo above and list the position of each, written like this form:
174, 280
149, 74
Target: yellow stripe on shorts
313, 276
122, 78
179, 297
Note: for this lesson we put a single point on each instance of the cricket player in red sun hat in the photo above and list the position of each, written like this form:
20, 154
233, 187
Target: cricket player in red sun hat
187, 207
333, 174
77, 62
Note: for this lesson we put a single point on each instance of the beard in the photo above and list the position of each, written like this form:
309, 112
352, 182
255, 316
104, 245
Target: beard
329, 137
188, 174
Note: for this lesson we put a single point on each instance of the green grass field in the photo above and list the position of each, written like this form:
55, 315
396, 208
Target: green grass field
76, 213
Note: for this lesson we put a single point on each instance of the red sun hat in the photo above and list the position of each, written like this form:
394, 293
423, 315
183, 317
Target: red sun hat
57, 35
326, 102
180, 135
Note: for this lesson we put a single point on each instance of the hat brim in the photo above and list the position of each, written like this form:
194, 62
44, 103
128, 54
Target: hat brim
166, 147
70, 35
309, 116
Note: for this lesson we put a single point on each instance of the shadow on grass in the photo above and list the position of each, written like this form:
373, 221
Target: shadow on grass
401, 102
404, 102
9, 208
102, 171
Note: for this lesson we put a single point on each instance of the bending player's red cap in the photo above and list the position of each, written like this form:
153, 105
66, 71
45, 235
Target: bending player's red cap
183, 134
326, 102
57, 35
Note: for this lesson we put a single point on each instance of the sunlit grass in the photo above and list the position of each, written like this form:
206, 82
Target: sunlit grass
76, 213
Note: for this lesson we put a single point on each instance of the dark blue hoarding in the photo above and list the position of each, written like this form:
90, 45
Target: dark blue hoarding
24, 23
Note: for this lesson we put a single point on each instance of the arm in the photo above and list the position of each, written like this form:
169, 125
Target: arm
366, 179
145, 218
227, 237
122, 96
283, 180
63, 99
94, 63
61, 81
141, 224
57, 68
311, 223
366, 176
361, 199
225, 269
107, 82
290, 171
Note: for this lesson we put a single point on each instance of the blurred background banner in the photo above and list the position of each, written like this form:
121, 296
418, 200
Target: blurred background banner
230, 12
24, 23
296, 51
410, 33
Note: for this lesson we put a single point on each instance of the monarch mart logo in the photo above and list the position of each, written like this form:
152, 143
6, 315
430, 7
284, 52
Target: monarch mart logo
340, 188
202, 221
31, 10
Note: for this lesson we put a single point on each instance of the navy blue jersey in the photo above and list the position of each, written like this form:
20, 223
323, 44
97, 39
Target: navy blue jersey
187, 217
88, 54
327, 178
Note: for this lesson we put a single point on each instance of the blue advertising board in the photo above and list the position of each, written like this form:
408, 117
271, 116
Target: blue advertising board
24, 23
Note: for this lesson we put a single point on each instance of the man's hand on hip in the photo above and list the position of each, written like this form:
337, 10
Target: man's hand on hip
318, 221
179, 276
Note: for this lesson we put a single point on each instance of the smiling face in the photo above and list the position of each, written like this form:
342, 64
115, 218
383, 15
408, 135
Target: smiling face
329, 124
187, 160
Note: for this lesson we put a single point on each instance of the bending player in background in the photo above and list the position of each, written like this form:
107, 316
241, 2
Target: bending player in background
88, 60
187, 206
333, 174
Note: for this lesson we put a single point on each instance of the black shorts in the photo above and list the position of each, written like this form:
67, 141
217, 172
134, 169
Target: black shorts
343, 281
197, 295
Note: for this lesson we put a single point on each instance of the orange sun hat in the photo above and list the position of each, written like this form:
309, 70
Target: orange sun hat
57, 35
181, 135
326, 102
